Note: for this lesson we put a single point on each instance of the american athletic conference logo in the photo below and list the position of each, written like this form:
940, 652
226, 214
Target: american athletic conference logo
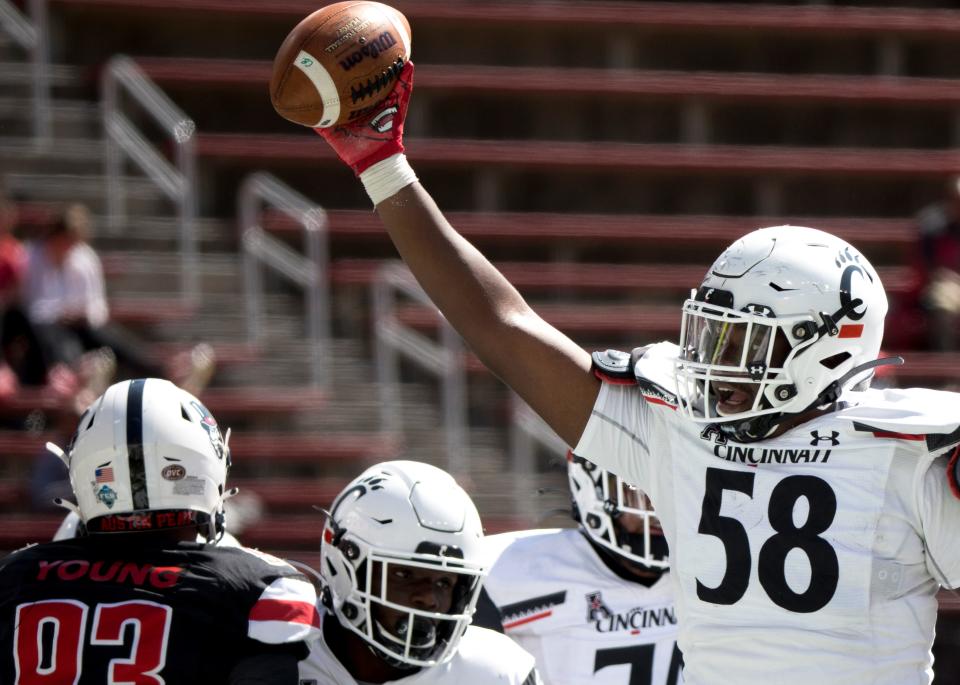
596, 609
632, 621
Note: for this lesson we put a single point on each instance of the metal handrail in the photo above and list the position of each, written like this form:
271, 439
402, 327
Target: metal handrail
309, 272
33, 36
123, 139
527, 430
443, 359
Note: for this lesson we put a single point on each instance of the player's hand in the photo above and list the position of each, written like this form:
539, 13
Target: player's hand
364, 143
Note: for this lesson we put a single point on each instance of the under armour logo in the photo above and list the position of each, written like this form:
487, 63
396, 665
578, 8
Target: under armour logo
759, 310
596, 609
817, 438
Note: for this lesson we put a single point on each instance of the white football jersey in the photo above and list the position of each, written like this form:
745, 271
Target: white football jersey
813, 557
483, 657
582, 622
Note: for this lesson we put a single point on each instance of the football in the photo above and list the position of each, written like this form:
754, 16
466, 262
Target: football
339, 62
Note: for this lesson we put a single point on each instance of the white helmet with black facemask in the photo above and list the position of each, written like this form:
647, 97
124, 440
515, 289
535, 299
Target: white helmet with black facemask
785, 320
394, 521
601, 499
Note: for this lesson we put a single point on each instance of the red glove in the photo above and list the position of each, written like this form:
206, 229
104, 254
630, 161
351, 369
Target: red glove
362, 144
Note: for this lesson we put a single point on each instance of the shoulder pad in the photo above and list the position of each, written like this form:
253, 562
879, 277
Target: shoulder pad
918, 414
615, 366
486, 656
269, 559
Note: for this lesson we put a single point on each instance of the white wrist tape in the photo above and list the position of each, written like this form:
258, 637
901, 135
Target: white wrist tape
387, 177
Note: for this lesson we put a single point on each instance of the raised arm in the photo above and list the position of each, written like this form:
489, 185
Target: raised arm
540, 363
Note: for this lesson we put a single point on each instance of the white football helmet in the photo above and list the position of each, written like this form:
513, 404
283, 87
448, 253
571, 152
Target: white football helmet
785, 319
395, 516
148, 456
600, 498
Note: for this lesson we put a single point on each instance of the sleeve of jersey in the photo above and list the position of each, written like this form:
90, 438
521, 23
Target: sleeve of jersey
940, 518
286, 611
614, 437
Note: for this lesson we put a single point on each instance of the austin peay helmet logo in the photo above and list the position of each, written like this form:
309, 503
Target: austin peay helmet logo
209, 424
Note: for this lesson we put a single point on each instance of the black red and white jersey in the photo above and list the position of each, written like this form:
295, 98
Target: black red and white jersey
583, 623
483, 657
812, 557
105, 609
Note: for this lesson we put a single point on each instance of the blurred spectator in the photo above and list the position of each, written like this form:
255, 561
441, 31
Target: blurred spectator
65, 299
940, 254
13, 256
13, 260
929, 313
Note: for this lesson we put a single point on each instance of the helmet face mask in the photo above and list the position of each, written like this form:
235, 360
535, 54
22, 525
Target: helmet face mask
782, 317
616, 515
406, 630
727, 377
148, 456
402, 562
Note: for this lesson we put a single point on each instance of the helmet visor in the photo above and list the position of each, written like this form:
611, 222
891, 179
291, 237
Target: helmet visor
729, 361
725, 342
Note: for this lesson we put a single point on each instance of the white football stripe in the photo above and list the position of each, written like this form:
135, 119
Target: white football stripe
404, 37
326, 88
290, 589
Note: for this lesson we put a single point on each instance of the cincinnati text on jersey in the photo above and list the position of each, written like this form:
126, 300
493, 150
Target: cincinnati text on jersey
635, 620
754, 455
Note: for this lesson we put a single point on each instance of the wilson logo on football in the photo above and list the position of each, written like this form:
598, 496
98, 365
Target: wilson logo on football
381, 43
173, 472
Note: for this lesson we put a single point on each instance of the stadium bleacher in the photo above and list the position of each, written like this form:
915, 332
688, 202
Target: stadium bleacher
618, 95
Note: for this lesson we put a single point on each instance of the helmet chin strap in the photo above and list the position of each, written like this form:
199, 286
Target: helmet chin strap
760, 427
